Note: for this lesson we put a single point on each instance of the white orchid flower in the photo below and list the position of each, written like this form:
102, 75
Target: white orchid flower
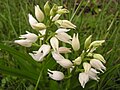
39, 14
83, 78
41, 53
75, 42
29, 36
97, 64
27, 39
56, 75
65, 63
93, 74
64, 37
25, 43
57, 56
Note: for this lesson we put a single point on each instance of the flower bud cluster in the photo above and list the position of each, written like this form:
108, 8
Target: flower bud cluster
88, 64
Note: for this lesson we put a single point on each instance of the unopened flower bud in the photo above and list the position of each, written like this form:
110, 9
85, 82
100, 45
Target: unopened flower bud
96, 44
99, 57
75, 42
86, 66
47, 8
39, 26
87, 42
39, 14
56, 17
62, 11
65, 24
53, 10
77, 61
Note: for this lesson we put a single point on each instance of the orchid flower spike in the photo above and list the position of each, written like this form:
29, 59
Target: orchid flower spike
41, 53
56, 75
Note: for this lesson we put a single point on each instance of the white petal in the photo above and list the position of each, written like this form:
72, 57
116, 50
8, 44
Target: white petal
56, 17
57, 56
25, 43
60, 30
64, 50
32, 20
54, 43
64, 37
65, 63
86, 66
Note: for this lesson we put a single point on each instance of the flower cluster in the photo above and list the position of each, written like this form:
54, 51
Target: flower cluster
87, 64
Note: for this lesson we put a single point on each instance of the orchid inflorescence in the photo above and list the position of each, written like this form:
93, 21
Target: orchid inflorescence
92, 63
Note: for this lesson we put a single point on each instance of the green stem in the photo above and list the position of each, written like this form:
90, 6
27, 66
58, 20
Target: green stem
38, 79
75, 11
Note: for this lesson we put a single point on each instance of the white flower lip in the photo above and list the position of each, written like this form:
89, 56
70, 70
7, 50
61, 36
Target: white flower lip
41, 53
56, 75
